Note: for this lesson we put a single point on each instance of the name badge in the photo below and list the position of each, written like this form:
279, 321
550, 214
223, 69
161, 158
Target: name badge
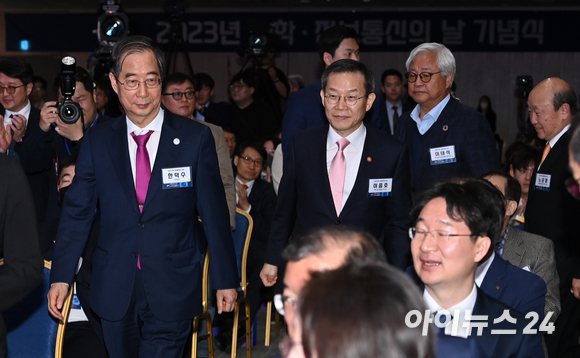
380, 187
543, 182
443, 155
176, 177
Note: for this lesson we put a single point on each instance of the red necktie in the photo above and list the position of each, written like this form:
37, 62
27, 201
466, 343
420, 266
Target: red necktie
337, 173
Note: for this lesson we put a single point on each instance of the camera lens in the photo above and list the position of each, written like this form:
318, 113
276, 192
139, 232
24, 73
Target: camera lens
69, 112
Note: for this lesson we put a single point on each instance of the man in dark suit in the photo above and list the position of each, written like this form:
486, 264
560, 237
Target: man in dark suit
343, 174
304, 109
551, 211
152, 173
19, 249
392, 88
444, 137
206, 109
16, 84
453, 227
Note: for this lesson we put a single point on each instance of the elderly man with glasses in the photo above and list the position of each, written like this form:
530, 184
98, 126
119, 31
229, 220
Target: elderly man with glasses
444, 137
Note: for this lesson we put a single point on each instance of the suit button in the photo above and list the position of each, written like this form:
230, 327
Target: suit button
134, 255
337, 222
141, 225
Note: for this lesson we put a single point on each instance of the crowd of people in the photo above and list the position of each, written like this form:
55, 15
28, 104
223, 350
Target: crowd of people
388, 219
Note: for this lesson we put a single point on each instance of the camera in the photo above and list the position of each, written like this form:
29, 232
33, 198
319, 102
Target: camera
68, 110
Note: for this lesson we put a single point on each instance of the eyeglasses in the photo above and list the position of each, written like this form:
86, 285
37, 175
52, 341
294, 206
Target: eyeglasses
249, 161
350, 100
440, 235
425, 76
573, 188
9, 89
134, 84
281, 301
177, 95
237, 87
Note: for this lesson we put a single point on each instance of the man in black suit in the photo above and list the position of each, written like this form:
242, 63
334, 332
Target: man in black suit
551, 211
15, 86
345, 173
22, 268
206, 109
392, 87
453, 229
444, 137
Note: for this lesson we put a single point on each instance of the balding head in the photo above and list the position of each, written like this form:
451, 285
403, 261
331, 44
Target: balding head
551, 105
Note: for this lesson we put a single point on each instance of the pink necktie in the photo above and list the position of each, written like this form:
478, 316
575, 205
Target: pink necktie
142, 168
337, 173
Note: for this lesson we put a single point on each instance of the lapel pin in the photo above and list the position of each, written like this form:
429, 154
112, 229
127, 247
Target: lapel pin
176, 141
497, 287
445, 128
369, 159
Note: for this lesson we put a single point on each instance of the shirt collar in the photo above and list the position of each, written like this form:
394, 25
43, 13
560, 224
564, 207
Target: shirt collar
155, 124
24, 111
356, 138
249, 184
431, 117
466, 305
482, 269
554, 140
390, 105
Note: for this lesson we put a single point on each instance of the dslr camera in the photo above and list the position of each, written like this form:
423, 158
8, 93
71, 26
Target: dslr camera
68, 110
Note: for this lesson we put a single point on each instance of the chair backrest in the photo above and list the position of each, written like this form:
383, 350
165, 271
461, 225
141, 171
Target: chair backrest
31, 330
242, 236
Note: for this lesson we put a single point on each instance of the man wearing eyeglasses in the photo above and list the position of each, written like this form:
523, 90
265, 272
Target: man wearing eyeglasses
152, 173
444, 137
344, 173
20, 119
178, 96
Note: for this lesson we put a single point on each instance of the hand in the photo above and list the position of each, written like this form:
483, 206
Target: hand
72, 131
56, 296
5, 137
18, 126
272, 73
48, 115
576, 287
226, 300
242, 197
269, 275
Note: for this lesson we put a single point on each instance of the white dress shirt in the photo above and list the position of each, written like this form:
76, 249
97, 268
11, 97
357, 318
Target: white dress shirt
352, 155
25, 112
391, 113
554, 140
481, 270
152, 143
431, 117
462, 307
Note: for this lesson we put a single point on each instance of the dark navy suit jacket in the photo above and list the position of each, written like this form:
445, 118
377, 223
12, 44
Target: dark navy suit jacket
305, 198
517, 288
165, 235
305, 110
457, 125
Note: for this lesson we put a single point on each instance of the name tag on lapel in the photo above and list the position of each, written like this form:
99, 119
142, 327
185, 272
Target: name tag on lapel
176, 177
543, 182
442, 155
380, 187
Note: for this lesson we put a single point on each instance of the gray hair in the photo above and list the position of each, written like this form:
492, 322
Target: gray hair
445, 59
131, 45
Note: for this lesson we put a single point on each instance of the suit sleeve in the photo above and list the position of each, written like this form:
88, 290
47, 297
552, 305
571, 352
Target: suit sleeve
23, 265
262, 211
226, 173
546, 269
536, 300
378, 116
212, 207
294, 118
285, 213
77, 216
397, 243
36, 150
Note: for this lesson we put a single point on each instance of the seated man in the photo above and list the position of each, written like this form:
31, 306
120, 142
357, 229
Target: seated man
453, 227
206, 109
532, 253
179, 98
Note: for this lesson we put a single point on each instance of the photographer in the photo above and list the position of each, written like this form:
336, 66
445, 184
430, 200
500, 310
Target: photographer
67, 138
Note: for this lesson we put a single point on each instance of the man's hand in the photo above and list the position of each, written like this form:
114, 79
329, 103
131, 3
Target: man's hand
18, 126
48, 115
56, 296
242, 197
576, 287
226, 300
72, 131
5, 137
269, 275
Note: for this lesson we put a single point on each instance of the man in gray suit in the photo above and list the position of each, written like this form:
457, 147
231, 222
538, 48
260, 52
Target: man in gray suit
527, 251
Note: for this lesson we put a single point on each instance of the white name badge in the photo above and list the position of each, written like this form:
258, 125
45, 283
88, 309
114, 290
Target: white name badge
380, 187
543, 182
176, 177
443, 155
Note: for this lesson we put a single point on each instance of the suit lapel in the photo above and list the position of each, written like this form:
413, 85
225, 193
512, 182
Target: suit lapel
119, 151
493, 282
554, 154
513, 249
487, 342
319, 170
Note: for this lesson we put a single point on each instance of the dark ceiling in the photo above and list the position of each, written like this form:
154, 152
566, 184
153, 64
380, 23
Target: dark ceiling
277, 5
